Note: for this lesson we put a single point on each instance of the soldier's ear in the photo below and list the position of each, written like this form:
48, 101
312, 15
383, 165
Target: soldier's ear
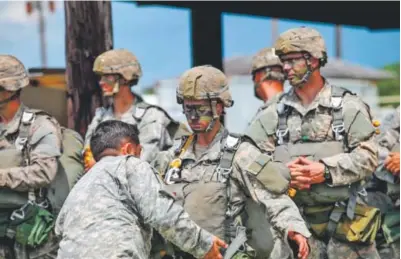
219, 108
127, 148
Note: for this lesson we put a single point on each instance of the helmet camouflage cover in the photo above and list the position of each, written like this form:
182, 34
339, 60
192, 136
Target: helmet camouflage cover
265, 59
204, 83
118, 61
13, 75
302, 39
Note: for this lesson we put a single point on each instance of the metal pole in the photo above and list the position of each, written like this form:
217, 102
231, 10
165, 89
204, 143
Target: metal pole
42, 33
274, 30
338, 41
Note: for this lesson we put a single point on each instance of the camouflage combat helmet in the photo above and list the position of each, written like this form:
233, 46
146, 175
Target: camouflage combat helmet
204, 83
118, 61
13, 75
265, 59
302, 39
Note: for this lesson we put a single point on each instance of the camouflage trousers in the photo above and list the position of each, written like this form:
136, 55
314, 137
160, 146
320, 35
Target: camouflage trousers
336, 249
389, 251
10, 250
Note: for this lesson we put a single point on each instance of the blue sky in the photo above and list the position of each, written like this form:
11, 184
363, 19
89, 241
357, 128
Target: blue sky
160, 37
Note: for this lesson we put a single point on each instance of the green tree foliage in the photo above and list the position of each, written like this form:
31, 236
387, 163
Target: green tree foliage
390, 87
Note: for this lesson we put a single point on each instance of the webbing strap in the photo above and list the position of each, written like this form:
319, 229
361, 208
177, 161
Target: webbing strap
337, 94
23, 139
236, 243
282, 128
230, 147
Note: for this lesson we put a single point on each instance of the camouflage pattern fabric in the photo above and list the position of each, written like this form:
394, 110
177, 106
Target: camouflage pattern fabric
152, 124
314, 122
13, 75
265, 57
201, 167
111, 211
389, 135
302, 39
387, 140
45, 143
118, 61
46, 148
204, 83
336, 249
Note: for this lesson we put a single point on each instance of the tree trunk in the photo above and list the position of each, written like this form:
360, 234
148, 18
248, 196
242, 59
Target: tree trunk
88, 34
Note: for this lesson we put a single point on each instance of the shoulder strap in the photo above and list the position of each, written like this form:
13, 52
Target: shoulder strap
230, 147
282, 128
337, 96
140, 109
28, 117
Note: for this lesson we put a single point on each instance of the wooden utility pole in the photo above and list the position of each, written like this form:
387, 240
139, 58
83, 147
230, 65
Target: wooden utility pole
338, 41
88, 34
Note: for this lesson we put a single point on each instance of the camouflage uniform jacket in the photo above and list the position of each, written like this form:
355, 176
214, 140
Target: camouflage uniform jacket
151, 123
274, 99
45, 148
110, 213
315, 121
280, 209
390, 133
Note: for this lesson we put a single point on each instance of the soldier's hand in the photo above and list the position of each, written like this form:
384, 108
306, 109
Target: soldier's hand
392, 163
214, 252
302, 243
299, 180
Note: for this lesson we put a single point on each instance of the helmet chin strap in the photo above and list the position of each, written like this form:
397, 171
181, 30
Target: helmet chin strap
308, 73
213, 104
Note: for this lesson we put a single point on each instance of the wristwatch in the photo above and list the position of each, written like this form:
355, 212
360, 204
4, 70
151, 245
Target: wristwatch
327, 174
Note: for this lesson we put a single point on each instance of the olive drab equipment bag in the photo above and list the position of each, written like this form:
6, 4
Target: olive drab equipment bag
29, 217
315, 201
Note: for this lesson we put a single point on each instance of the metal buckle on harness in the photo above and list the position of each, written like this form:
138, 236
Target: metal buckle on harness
21, 143
20, 213
223, 173
338, 129
172, 173
363, 192
281, 133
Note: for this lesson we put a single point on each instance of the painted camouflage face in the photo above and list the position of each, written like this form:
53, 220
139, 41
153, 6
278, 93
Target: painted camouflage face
295, 69
199, 114
109, 84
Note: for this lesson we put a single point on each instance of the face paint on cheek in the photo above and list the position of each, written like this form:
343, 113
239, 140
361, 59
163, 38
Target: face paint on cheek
300, 69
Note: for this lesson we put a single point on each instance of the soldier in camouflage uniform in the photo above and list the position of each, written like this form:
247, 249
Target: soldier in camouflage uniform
267, 76
213, 173
325, 135
384, 188
119, 70
30, 145
268, 79
112, 209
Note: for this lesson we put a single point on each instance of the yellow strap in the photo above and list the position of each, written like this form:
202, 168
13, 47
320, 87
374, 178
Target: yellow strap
176, 163
186, 145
